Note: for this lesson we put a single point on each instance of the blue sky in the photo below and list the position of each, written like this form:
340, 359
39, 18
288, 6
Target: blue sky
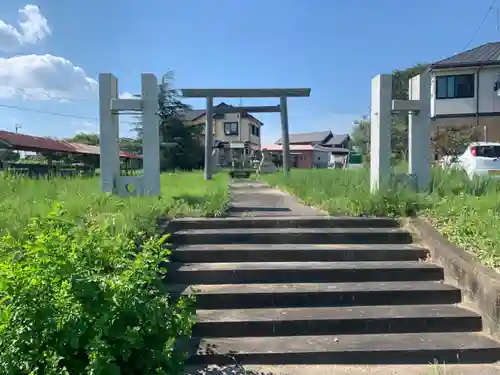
50, 62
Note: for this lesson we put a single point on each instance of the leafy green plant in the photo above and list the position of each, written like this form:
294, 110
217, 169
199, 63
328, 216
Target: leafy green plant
79, 298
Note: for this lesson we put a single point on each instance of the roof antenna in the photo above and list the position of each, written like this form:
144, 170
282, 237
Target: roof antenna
498, 18
239, 118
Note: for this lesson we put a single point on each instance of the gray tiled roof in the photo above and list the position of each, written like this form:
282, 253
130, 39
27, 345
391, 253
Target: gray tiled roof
486, 54
337, 139
331, 149
195, 113
314, 137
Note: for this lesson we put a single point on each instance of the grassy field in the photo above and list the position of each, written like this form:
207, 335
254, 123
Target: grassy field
182, 194
467, 212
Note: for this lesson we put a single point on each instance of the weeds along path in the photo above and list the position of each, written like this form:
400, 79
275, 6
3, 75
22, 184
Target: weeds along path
183, 194
466, 212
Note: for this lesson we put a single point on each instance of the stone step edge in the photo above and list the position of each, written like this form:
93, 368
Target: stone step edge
405, 348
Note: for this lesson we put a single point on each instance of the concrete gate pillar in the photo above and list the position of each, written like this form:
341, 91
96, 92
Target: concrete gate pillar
380, 132
285, 135
209, 138
109, 108
109, 159
419, 130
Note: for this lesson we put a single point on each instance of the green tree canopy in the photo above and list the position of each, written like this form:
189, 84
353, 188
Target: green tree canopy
181, 143
399, 130
85, 138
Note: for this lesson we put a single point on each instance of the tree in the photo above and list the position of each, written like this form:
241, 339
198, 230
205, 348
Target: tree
86, 138
132, 145
448, 140
399, 128
361, 135
9, 155
181, 146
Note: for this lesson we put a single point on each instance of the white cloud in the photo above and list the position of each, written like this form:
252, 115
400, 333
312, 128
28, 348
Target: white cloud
86, 126
32, 28
42, 77
128, 95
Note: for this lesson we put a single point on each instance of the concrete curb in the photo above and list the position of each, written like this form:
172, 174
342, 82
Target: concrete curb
480, 285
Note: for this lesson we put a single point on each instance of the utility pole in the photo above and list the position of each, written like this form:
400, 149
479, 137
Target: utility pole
18, 126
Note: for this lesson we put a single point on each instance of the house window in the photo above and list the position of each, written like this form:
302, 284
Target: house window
455, 87
231, 128
254, 130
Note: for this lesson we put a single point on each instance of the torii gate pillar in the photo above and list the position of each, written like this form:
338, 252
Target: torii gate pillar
418, 109
380, 132
110, 107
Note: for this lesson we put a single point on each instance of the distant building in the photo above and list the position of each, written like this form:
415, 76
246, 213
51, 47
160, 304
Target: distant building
314, 150
324, 138
230, 127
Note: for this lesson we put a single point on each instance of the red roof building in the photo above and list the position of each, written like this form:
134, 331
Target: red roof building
23, 142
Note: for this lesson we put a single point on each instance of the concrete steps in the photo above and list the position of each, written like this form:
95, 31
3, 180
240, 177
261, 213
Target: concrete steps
335, 321
408, 348
297, 253
299, 290
292, 236
250, 296
303, 272
284, 222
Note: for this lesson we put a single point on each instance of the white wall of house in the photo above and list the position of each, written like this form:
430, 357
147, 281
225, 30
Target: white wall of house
320, 159
484, 95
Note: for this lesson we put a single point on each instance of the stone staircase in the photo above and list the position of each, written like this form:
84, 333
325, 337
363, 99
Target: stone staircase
319, 290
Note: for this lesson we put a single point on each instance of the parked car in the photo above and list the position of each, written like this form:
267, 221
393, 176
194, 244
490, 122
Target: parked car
480, 159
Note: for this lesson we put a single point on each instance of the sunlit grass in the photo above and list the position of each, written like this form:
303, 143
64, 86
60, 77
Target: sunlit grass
182, 194
467, 212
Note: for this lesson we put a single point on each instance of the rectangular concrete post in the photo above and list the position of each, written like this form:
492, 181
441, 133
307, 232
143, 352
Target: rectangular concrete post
419, 131
209, 139
109, 133
380, 131
151, 134
285, 136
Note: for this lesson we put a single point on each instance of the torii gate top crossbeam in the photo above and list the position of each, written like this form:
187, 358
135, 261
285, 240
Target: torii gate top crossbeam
248, 109
245, 93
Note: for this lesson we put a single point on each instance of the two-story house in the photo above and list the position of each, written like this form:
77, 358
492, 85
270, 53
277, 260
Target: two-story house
229, 127
465, 90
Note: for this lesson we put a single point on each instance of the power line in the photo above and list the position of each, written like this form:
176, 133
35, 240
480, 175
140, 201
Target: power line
60, 114
481, 24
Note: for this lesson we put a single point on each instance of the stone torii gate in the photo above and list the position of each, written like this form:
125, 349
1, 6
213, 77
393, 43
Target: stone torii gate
110, 107
210, 94
419, 130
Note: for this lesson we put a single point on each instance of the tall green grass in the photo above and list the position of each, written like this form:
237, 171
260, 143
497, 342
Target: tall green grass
182, 194
465, 211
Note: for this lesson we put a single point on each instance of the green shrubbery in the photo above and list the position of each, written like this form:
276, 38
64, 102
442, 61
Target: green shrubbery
467, 212
80, 299
76, 295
